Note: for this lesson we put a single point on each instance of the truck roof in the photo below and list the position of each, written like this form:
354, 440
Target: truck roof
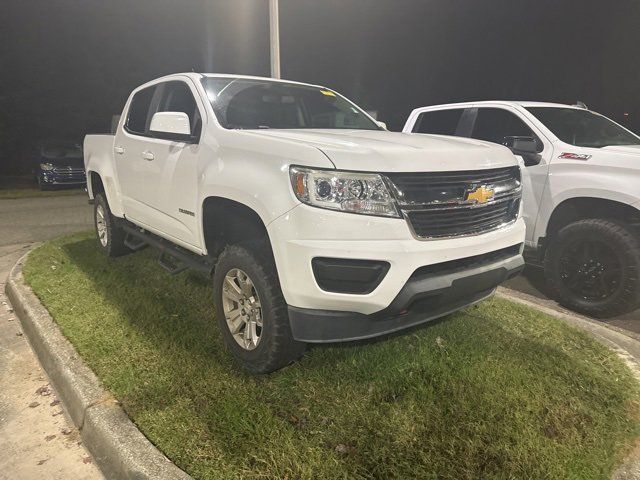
198, 75
519, 103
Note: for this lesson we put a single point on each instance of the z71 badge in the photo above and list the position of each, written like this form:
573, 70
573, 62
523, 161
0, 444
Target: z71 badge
574, 156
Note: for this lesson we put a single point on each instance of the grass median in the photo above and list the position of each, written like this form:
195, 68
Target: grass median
496, 391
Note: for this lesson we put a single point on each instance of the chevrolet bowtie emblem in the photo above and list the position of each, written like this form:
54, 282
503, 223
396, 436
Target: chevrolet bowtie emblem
479, 195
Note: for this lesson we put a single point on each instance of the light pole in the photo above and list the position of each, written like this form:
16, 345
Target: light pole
274, 38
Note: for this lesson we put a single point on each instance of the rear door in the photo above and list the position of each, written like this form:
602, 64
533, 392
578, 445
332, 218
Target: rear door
131, 142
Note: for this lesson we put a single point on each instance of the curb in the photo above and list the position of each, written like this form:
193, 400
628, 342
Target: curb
118, 447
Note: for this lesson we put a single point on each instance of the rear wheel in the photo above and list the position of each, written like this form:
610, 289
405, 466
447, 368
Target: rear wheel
251, 311
593, 266
110, 235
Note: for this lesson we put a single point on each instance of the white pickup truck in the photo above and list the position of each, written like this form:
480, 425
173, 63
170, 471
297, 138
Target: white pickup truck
581, 181
316, 224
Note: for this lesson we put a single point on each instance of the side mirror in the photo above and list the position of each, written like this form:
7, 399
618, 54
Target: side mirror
171, 125
381, 124
526, 147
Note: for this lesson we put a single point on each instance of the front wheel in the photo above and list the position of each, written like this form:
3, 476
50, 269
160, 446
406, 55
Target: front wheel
251, 311
593, 267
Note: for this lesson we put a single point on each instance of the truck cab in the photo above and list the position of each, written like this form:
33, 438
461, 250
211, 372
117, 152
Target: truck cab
581, 198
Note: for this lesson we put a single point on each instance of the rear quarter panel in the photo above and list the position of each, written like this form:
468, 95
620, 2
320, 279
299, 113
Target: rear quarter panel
98, 158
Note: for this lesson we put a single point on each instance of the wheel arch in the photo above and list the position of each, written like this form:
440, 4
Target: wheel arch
94, 184
98, 183
226, 221
581, 208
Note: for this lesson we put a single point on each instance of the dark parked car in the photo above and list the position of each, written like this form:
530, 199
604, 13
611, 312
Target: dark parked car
59, 163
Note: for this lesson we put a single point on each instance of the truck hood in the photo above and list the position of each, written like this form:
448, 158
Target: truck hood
633, 149
383, 151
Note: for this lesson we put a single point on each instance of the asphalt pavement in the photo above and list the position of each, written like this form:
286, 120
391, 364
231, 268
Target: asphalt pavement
37, 440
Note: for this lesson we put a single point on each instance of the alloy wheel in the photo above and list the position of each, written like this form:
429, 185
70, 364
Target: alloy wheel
101, 225
591, 269
242, 309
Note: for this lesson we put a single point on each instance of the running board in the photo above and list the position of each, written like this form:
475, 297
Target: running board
173, 258
171, 264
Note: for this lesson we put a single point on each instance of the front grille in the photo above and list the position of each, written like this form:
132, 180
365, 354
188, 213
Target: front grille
436, 204
69, 171
464, 220
68, 174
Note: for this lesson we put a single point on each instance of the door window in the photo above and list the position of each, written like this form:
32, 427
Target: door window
177, 97
494, 124
583, 128
439, 122
139, 111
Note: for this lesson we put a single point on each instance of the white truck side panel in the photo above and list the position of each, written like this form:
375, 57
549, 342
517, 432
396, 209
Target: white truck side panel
571, 179
98, 158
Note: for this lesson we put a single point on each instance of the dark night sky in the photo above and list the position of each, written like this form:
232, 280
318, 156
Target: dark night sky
67, 65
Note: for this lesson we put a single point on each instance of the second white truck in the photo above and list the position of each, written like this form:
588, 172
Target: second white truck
581, 181
316, 223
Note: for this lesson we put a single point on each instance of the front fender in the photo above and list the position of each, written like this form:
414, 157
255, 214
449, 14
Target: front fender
568, 180
551, 203
254, 172
257, 192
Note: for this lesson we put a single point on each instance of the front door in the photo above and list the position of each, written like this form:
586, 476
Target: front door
493, 124
159, 175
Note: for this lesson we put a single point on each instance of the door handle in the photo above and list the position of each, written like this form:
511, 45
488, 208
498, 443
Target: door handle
118, 150
147, 155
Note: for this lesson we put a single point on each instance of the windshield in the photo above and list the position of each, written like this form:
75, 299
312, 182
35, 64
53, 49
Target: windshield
248, 103
583, 128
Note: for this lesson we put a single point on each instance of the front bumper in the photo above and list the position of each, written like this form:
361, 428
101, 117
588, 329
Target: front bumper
424, 297
305, 233
51, 178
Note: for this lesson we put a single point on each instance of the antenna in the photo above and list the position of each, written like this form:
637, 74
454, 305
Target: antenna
582, 105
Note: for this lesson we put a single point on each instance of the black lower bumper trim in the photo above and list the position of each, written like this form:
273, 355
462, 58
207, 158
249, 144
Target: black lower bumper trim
423, 298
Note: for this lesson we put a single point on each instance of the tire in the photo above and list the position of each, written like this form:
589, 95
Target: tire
275, 346
110, 236
593, 266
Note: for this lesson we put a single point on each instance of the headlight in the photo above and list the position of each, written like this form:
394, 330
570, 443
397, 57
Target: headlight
364, 193
47, 167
